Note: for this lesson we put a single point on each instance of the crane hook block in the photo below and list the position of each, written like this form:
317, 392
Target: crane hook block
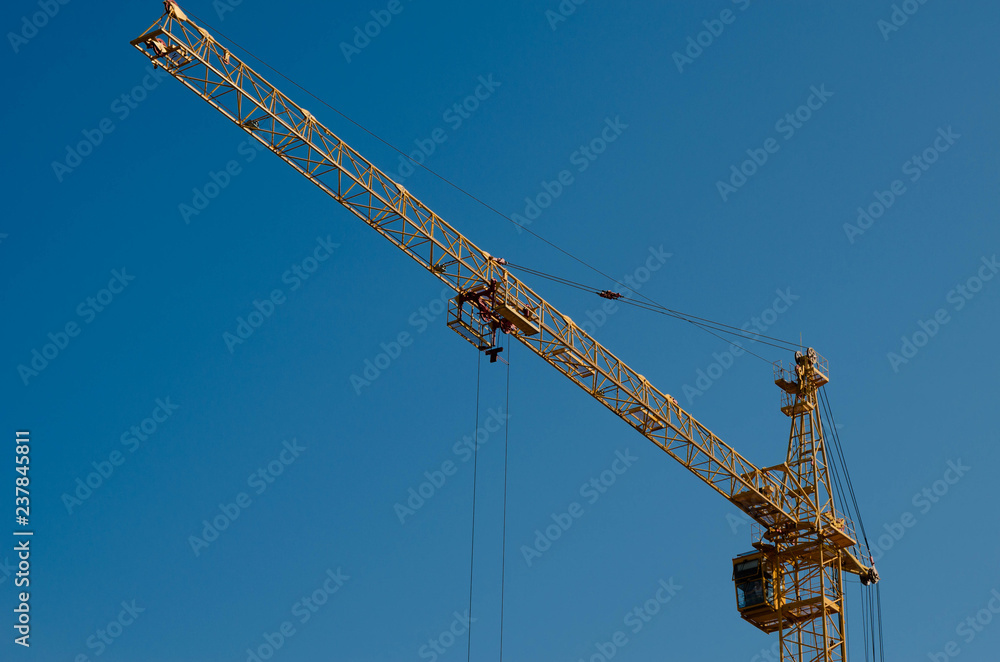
870, 576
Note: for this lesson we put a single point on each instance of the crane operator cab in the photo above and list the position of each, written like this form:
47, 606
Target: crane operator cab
757, 597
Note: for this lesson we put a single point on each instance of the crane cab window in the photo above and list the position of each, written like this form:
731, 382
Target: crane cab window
752, 589
746, 569
754, 593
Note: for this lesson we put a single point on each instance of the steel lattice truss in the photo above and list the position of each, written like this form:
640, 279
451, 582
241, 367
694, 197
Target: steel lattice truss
772, 496
291, 132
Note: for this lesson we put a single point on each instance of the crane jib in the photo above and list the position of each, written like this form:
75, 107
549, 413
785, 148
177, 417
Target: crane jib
190, 54
804, 541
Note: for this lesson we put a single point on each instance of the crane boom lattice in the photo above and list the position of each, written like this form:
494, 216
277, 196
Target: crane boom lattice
804, 545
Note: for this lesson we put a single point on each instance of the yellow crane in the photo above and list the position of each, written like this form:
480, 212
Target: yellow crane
793, 583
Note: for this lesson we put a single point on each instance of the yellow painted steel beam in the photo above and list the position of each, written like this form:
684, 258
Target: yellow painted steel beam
194, 57
202, 64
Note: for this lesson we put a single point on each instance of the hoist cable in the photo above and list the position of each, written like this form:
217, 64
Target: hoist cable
455, 186
871, 606
475, 474
848, 612
871, 617
840, 452
708, 329
657, 309
864, 621
503, 553
704, 326
410, 158
441, 177
878, 598
738, 331
837, 483
870, 624
835, 467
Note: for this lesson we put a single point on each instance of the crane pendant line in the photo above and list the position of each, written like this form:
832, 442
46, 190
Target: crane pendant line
809, 543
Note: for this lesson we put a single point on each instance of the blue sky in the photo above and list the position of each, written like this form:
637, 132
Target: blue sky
99, 253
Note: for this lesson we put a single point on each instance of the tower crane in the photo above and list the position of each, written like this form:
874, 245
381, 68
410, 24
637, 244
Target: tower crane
793, 581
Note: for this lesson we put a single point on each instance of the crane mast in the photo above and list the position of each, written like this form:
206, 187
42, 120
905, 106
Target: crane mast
804, 546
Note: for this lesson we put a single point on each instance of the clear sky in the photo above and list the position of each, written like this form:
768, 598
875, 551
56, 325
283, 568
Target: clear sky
867, 227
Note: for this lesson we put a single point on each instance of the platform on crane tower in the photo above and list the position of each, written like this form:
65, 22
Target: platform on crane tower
788, 376
838, 531
793, 407
759, 502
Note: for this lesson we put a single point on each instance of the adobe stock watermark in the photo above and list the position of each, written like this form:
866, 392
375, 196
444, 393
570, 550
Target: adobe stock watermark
105, 637
132, 439
581, 159
969, 628
464, 449
714, 27
223, 7
635, 620
420, 319
898, 17
913, 168
122, 108
454, 117
202, 196
756, 325
439, 645
30, 25
786, 126
592, 491
303, 610
294, 277
770, 654
958, 297
259, 481
562, 12
87, 310
6, 570
364, 34
924, 501
598, 317
737, 520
